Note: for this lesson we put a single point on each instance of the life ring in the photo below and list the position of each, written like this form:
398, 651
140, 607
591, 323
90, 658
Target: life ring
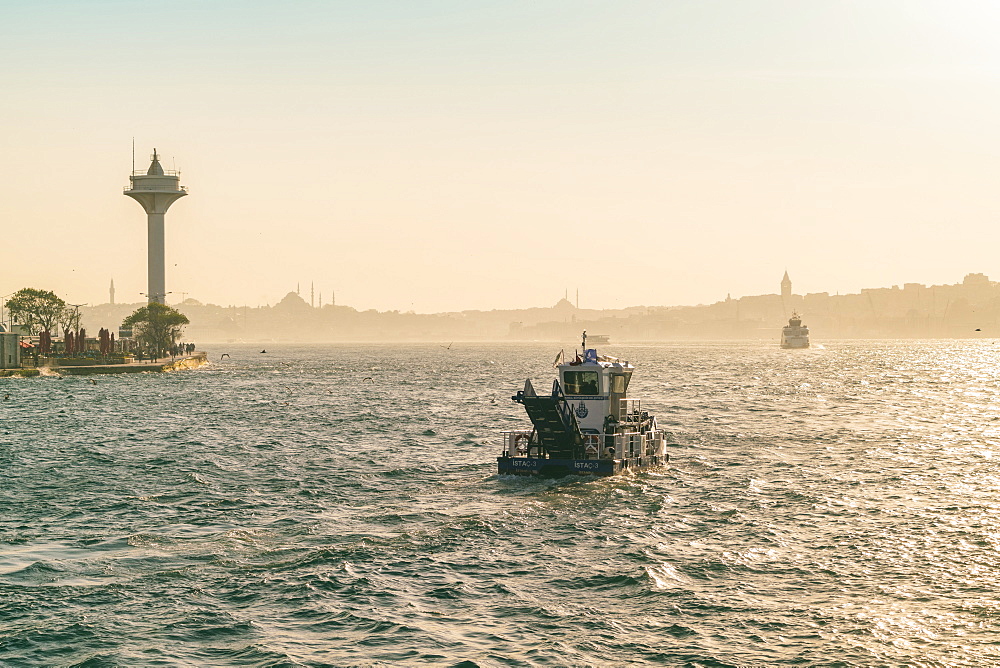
518, 440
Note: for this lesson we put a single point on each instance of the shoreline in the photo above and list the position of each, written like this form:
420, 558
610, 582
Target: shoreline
164, 365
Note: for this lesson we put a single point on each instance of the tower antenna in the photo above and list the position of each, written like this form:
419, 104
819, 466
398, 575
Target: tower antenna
133, 155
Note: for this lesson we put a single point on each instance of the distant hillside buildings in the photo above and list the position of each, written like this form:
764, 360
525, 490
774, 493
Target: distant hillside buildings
967, 309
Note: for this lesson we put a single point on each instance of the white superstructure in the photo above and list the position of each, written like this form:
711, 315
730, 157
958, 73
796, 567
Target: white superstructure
795, 334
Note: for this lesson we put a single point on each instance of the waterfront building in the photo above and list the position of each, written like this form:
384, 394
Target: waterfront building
10, 349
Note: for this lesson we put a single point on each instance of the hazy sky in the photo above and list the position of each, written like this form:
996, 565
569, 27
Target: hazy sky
456, 154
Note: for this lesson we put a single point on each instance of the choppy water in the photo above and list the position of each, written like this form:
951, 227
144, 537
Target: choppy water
827, 507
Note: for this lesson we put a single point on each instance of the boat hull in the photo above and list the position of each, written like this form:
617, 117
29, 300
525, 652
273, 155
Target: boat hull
558, 468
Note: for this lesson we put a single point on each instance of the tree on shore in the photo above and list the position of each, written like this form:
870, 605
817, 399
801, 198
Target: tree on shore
37, 310
69, 319
157, 327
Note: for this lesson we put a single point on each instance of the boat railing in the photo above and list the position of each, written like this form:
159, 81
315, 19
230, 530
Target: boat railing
618, 445
629, 410
621, 444
517, 442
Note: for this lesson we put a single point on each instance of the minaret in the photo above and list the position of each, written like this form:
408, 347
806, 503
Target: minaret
786, 286
155, 191
312, 294
111, 292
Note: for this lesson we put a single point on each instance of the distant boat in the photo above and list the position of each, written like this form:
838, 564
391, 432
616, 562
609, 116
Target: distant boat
586, 426
599, 338
795, 334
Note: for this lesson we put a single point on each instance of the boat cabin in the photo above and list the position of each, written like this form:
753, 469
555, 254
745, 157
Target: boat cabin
596, 388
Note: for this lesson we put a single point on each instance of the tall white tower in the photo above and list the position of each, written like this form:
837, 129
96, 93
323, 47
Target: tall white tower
155, 190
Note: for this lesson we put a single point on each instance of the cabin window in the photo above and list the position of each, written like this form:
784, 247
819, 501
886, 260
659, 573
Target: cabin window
618, 384
581, 382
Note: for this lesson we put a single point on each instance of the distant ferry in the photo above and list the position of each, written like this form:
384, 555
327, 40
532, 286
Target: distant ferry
599, 338
586, 425
795, 334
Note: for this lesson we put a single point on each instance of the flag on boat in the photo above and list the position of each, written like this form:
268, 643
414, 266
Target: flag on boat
559, 360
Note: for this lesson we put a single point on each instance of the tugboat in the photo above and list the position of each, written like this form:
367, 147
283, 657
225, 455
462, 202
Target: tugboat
795, 334
586, 426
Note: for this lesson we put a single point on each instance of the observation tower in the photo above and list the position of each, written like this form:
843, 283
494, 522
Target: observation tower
155, 190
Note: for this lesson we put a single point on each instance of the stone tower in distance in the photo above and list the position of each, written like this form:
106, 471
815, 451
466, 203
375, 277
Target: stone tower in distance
786, 286
155, 190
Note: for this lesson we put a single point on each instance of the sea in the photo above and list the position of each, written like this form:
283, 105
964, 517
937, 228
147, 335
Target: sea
338, 505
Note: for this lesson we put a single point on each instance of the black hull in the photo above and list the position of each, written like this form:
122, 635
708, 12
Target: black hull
558, 468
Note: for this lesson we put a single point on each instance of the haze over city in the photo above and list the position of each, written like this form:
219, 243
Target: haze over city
442, 156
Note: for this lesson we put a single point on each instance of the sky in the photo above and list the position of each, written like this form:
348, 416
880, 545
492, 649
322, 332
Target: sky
453, 154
